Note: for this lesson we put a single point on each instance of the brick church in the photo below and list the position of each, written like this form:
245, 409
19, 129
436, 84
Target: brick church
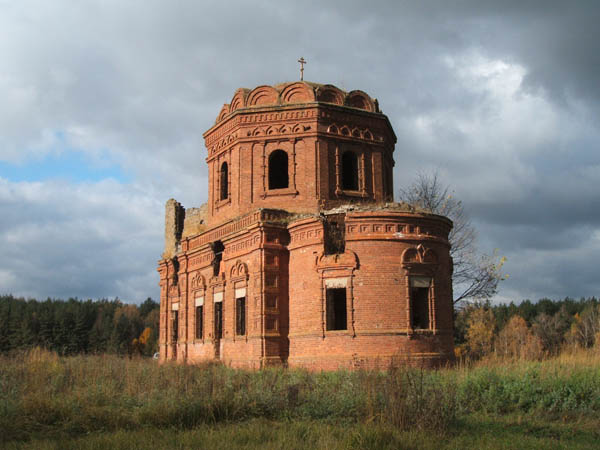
300, 257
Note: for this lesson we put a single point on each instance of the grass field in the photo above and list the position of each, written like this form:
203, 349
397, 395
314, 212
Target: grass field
110, 402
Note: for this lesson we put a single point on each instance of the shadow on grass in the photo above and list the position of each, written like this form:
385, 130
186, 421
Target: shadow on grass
470, 432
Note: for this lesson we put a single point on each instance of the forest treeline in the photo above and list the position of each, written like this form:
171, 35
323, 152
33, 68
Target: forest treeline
529, 330
79, 326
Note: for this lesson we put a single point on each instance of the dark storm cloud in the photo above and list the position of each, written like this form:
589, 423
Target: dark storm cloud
501, 97
556, 40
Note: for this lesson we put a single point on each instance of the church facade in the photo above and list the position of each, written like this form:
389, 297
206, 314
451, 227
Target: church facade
300, 257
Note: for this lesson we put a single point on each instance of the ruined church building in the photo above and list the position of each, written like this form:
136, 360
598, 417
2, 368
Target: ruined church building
300, 257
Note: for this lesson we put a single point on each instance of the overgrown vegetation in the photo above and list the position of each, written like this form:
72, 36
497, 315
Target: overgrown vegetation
76, 326
527, 372
45, 396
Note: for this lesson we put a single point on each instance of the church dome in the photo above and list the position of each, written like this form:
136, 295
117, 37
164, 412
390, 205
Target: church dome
295, 93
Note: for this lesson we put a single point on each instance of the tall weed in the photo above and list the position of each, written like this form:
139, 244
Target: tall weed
42, 394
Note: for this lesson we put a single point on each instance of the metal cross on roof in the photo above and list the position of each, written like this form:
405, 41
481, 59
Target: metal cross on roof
302, 61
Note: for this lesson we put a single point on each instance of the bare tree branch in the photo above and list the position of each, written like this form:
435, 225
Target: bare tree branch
476, 276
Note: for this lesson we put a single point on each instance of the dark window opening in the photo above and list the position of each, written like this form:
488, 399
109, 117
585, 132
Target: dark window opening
240, 315
271, 323
271, 301
334, 234
174, 325
385, 183
350, 171
278, 170
336, 309
175, 270
271, 279
420, 307
217, 247
218, 320
224, 181
199, 317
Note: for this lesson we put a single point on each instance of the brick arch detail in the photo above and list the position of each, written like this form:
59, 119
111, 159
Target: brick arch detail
359, 99
297, 93
410, 255
239, 99
224, 111
420, 255
197, 282
330, 94
238, 270
289, 146
262, 95
258, 131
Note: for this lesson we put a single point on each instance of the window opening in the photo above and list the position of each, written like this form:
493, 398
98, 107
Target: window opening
334, 234
218, 320
240, 314
199, 321
217, 247
224, 181
175, 262
174, 325
419, 297
271, 300
336, 309
350, 171
278, 170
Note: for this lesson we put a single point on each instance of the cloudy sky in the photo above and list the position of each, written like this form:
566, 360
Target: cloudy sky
103, 106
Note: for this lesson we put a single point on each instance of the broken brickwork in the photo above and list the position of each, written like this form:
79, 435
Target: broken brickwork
300, 257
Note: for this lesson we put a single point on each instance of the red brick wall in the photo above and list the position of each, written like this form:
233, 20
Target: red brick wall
250, 267
246, 140
285, 280
379, 327
282, 265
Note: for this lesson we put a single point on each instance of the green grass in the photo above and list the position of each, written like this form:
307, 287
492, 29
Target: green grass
111, 402
472, 432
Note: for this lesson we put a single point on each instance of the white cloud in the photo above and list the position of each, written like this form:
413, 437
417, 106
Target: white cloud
88, 240
506, 106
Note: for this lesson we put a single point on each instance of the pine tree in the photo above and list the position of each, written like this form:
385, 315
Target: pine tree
5, 324
46, 334
81, 330
121, 336
147, 307
63, 341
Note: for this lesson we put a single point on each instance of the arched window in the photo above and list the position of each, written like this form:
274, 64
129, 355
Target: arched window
350, 171
224, 181
278, 170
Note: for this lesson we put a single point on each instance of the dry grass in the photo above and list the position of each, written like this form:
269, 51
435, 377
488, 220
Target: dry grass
46, 396
42, 393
